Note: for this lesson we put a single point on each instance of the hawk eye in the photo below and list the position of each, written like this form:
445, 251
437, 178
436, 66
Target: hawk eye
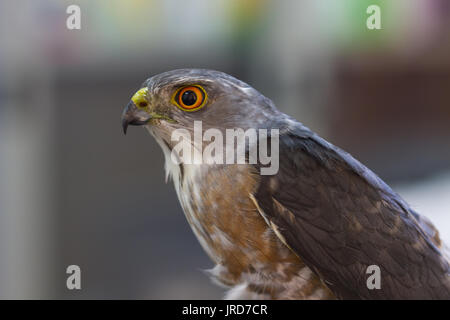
190, 98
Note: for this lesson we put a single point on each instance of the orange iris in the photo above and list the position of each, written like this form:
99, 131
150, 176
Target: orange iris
190, 98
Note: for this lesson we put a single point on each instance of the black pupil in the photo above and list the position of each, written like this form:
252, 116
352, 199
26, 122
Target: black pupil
189, 97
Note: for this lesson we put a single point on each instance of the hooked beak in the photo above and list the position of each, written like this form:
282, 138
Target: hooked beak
133, 116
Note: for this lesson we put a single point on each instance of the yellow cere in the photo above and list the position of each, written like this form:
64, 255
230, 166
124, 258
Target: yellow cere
140, 98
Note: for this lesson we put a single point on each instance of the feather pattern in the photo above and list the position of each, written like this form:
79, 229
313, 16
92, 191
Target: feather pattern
339, 217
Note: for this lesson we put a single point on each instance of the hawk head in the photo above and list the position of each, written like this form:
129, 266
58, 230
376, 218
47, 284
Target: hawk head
175, 99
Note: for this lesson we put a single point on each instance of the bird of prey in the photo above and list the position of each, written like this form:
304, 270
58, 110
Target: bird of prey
309, 231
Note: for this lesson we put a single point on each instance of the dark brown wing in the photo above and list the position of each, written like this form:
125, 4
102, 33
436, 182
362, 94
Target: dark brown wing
339, 217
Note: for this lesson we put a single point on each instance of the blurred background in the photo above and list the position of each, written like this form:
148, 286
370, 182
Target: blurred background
75, 190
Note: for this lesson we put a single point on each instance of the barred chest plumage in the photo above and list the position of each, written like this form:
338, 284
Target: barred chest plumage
249, 257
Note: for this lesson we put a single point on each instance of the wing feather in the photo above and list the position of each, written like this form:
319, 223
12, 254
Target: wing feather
340, 218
